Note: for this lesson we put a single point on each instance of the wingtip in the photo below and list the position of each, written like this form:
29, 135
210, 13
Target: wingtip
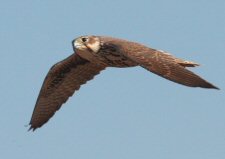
214, 87
210, 86
32, 128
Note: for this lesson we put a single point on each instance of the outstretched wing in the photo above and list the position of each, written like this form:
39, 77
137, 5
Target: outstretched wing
60, 83
165, 65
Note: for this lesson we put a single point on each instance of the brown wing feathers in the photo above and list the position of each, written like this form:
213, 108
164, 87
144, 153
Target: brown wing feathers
62, 80
168, 68
165, 65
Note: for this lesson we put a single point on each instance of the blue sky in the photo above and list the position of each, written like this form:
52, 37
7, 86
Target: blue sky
122, 113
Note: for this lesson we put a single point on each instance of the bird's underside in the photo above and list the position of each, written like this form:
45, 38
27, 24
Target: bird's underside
93, 54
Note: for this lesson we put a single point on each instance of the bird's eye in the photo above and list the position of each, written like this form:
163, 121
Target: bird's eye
84, 39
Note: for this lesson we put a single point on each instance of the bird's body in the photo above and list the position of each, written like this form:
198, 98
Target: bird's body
108, 53
93, 54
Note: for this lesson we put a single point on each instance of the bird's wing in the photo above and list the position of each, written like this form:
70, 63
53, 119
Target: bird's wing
60, 83
165, 65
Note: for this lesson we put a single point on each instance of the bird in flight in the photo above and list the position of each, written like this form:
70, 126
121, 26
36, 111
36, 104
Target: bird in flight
92, 54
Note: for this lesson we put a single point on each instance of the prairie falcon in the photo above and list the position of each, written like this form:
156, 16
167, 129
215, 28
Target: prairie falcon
93, 54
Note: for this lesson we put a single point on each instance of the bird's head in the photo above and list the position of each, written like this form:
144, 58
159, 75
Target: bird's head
87, 43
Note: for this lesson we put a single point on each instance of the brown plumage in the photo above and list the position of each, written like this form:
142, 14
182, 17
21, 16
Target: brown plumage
93, 54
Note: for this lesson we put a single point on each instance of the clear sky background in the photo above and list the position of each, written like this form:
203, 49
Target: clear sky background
122, 113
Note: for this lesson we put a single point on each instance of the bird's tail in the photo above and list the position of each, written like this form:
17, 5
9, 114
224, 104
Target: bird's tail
186, 63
